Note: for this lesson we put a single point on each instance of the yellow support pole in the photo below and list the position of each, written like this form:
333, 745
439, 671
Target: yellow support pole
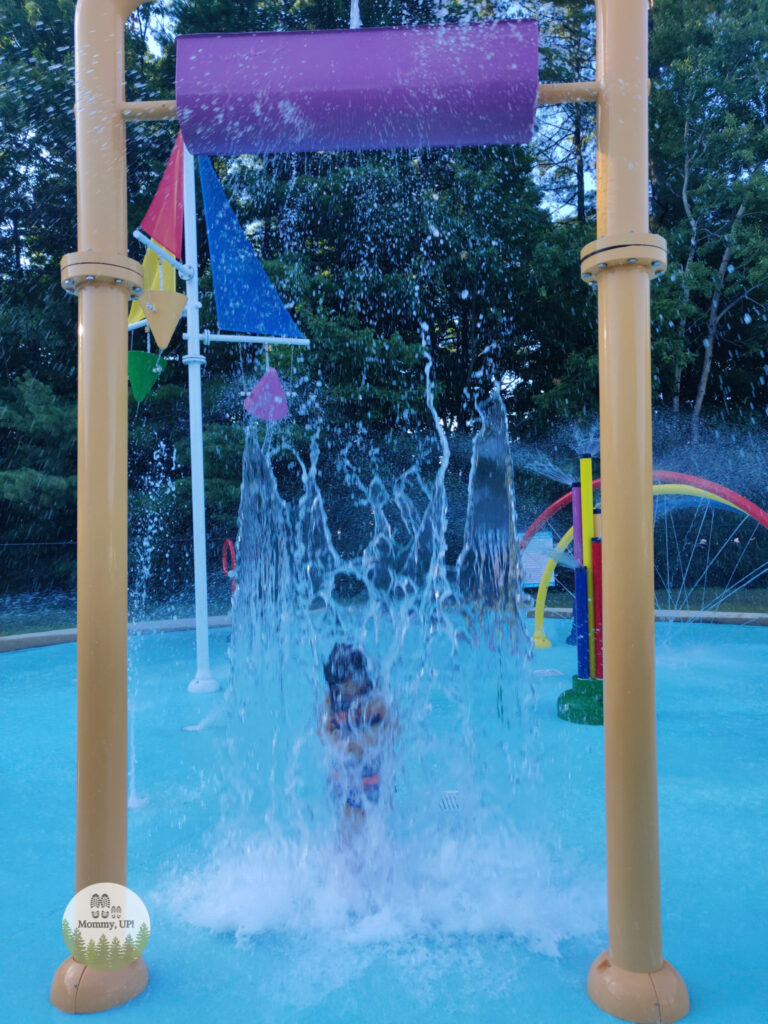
587, 533
631, 980
104, 278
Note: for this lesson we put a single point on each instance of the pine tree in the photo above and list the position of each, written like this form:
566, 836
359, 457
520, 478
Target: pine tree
129, 950
142, 937
115, 954
69, 938
101, 959
80, 951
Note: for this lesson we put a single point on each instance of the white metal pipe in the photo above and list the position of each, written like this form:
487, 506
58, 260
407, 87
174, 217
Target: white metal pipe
255, 339
184, 270
203, 681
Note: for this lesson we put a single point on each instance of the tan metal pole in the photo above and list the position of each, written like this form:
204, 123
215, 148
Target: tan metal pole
104, 278
566, 92
631, 980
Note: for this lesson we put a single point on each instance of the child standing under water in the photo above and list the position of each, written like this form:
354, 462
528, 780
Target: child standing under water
355, 720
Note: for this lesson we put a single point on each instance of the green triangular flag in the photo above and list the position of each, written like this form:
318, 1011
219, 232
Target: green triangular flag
143, 370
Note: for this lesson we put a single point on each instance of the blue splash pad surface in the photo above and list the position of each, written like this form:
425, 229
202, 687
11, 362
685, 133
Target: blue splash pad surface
713, 776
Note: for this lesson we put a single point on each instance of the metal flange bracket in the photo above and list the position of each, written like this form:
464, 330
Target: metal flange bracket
79, 269
630, 249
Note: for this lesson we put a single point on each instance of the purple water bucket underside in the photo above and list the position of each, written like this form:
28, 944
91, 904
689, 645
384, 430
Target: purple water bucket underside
380, 88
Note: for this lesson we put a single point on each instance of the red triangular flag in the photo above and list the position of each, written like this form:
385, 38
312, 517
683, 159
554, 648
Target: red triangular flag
164, 220
267, 400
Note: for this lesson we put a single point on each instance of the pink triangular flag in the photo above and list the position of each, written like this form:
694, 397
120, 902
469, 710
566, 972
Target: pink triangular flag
164, 220
267, 400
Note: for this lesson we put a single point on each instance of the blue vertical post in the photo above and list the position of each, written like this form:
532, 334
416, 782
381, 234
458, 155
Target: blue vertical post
581, 616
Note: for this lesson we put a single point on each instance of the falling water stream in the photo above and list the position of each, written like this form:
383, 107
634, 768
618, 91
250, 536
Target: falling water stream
148, 526
447, 849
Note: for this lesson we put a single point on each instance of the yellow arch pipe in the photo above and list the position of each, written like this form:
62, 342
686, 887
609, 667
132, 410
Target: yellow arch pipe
695, 492
540, 639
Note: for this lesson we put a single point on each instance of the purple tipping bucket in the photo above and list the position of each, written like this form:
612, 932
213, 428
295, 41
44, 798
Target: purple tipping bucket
377, 88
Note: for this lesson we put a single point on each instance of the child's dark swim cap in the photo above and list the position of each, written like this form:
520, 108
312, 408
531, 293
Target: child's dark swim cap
347, 662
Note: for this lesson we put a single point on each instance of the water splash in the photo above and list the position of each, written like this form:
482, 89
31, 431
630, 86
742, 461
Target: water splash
443, 645
317, 557
541, 464
488, 569
585, 439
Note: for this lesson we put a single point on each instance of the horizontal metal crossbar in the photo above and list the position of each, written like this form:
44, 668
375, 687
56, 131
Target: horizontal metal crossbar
251, 339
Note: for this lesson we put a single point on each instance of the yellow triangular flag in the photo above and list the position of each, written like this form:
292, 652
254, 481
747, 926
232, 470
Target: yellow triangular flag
163, 310
158, 276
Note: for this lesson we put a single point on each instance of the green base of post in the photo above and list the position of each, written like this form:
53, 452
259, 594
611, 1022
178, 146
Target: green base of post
582, 704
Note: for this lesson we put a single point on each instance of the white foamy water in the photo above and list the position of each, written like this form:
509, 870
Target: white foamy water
502, 884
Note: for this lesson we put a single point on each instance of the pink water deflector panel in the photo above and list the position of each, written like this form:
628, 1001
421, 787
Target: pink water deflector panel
379, 88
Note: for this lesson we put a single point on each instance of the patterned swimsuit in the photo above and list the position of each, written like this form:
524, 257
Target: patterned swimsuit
354, 779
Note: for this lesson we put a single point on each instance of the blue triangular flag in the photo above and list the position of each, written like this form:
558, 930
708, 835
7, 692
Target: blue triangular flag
246, 300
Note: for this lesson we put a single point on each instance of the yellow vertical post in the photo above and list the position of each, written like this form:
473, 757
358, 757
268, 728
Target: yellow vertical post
587, 532
631, 980
103, 277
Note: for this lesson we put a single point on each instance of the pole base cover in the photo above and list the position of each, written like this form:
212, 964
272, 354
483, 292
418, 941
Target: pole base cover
203, 684
583, 703
659, 997
80, 989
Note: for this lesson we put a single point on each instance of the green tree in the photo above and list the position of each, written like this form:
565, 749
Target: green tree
80, 952
129, 950
37, 492
101, 957
384, 252
37, 378
557, 370
38, 330
142, 937
66, 931
115, 954
709, 152
36, 142
564, 144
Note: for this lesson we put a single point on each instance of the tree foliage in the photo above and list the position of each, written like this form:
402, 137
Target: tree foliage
564, 144
709, 150
470, 254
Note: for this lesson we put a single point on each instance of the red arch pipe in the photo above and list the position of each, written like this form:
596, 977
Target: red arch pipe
229, 549
660, 476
